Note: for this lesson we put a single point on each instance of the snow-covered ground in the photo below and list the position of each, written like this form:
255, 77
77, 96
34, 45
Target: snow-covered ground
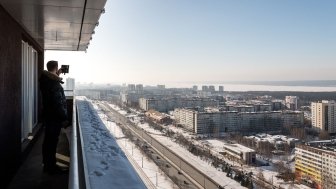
215, 146
219, 176
149, 170
105, 163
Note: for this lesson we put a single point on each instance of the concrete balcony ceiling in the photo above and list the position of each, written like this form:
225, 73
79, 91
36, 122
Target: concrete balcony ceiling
57, 24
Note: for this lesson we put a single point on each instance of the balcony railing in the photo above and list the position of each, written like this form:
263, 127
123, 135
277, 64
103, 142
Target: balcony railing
81, 166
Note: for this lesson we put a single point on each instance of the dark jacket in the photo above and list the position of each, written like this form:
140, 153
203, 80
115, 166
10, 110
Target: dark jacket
53, 98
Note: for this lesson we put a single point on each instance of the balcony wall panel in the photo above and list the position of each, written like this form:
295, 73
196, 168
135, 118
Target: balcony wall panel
11, 35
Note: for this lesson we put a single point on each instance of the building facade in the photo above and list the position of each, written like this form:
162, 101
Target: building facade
291, 102
221, 89
169, 104
70, 84
214, 121
324, 116
315, 162
240, 153
293, 118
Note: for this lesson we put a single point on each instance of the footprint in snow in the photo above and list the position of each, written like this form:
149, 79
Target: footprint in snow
98, 173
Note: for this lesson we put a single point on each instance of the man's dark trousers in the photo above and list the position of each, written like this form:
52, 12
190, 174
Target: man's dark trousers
51, 134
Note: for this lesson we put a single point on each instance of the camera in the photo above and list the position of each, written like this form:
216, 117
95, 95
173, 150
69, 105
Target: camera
65, 69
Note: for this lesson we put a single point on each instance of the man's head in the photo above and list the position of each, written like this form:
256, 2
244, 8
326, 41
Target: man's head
52, 66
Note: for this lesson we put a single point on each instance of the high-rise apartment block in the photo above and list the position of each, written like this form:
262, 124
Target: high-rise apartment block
315, 162
221, 89
131, 87
324, 116
205, 88
70, 84
212, 88
139, 88
291, 102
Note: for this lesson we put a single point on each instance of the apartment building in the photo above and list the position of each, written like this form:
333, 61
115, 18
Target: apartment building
324, 116
315, 162
291, 102
239, 152
221, 89
186, 117
212, 120
169, 104
277, 105
292, 118
70, 84
213, 123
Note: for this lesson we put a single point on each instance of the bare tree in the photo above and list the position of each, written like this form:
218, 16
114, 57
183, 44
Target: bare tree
324, 135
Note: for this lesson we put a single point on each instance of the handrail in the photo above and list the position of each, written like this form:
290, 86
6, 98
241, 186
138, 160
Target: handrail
73, 175
83, 170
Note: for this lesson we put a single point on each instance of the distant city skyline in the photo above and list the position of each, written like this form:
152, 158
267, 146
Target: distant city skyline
181, 41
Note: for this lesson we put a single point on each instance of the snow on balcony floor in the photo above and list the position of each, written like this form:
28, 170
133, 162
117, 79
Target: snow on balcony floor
106, 164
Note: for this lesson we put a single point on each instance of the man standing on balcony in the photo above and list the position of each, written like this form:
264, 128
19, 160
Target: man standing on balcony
54, 113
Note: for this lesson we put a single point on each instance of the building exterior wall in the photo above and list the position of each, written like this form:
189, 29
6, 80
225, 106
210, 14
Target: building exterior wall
316, 164
169, 104
70, 84
11, 37
225, 121
293, 118
239, 152
324, 116
291, 102
331, 117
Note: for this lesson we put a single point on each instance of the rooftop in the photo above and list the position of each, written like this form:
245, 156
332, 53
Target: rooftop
329, 145
238, 148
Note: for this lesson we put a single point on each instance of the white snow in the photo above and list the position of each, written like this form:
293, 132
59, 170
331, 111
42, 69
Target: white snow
149, 170
215, 146
105, 164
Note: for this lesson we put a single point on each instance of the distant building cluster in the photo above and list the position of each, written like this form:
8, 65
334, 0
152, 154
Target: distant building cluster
130, 95
209, 90
315, 163
166, 104
279, 141
214, 120
92, 94
324, 116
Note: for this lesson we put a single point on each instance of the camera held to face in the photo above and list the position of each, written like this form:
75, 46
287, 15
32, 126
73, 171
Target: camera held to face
65, 69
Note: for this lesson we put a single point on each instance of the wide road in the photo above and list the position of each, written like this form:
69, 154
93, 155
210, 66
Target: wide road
198, 177
169, 168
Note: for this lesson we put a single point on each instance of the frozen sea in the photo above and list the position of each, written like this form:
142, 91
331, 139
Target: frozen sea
304, 86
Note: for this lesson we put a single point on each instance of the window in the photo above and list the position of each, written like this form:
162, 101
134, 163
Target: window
29, 90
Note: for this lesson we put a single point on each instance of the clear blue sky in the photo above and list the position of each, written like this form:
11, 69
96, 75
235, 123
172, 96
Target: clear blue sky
159, 41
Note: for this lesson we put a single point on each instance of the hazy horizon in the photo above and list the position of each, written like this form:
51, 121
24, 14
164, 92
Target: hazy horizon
152, 41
